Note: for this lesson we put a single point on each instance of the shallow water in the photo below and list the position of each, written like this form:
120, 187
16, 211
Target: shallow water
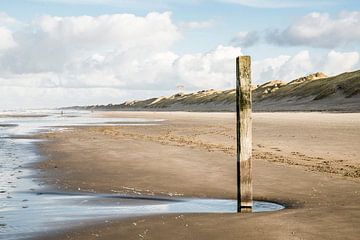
27, 210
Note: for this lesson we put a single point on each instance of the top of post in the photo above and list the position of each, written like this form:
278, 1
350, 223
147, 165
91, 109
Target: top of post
245, 58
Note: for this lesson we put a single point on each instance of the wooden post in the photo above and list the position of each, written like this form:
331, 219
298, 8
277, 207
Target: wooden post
244, 133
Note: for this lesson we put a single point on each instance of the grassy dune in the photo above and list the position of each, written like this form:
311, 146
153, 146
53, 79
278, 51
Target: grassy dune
315, 92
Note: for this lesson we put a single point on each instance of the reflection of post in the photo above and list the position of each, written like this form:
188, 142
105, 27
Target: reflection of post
244, 133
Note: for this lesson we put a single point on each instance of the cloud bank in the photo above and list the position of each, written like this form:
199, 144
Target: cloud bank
117, 57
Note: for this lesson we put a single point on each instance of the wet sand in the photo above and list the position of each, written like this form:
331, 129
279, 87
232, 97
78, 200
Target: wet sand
307, 161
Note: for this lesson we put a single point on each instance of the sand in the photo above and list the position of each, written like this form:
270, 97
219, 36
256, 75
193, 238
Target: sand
307, 161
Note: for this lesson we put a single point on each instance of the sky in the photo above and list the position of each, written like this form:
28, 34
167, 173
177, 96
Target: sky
57, 53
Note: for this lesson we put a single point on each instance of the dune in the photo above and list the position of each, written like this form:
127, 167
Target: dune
315, 92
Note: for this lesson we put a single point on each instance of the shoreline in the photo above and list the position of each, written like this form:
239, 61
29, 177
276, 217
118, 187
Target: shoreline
198, 151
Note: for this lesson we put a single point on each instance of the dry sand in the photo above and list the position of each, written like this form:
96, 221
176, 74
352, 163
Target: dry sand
307, 161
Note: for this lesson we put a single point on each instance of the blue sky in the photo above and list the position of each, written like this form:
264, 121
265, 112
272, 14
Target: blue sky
228, 18
188, 43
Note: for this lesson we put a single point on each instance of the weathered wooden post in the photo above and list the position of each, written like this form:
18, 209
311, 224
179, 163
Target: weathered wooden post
244, 133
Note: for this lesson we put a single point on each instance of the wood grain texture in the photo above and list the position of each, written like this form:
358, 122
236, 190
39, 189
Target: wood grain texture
244, 133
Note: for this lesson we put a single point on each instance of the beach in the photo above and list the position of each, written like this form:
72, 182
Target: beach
179, 120
309, 162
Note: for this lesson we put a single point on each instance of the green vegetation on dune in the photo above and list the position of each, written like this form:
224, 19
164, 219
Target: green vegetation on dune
347, 84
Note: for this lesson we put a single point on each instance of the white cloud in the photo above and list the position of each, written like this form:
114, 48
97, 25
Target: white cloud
245, 39
320, 30
337, 62
158, 71
214, 69
286, 67
53, 44
123, 31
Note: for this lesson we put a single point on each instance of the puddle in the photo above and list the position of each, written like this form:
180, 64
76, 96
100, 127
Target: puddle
51, 211
26, 210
